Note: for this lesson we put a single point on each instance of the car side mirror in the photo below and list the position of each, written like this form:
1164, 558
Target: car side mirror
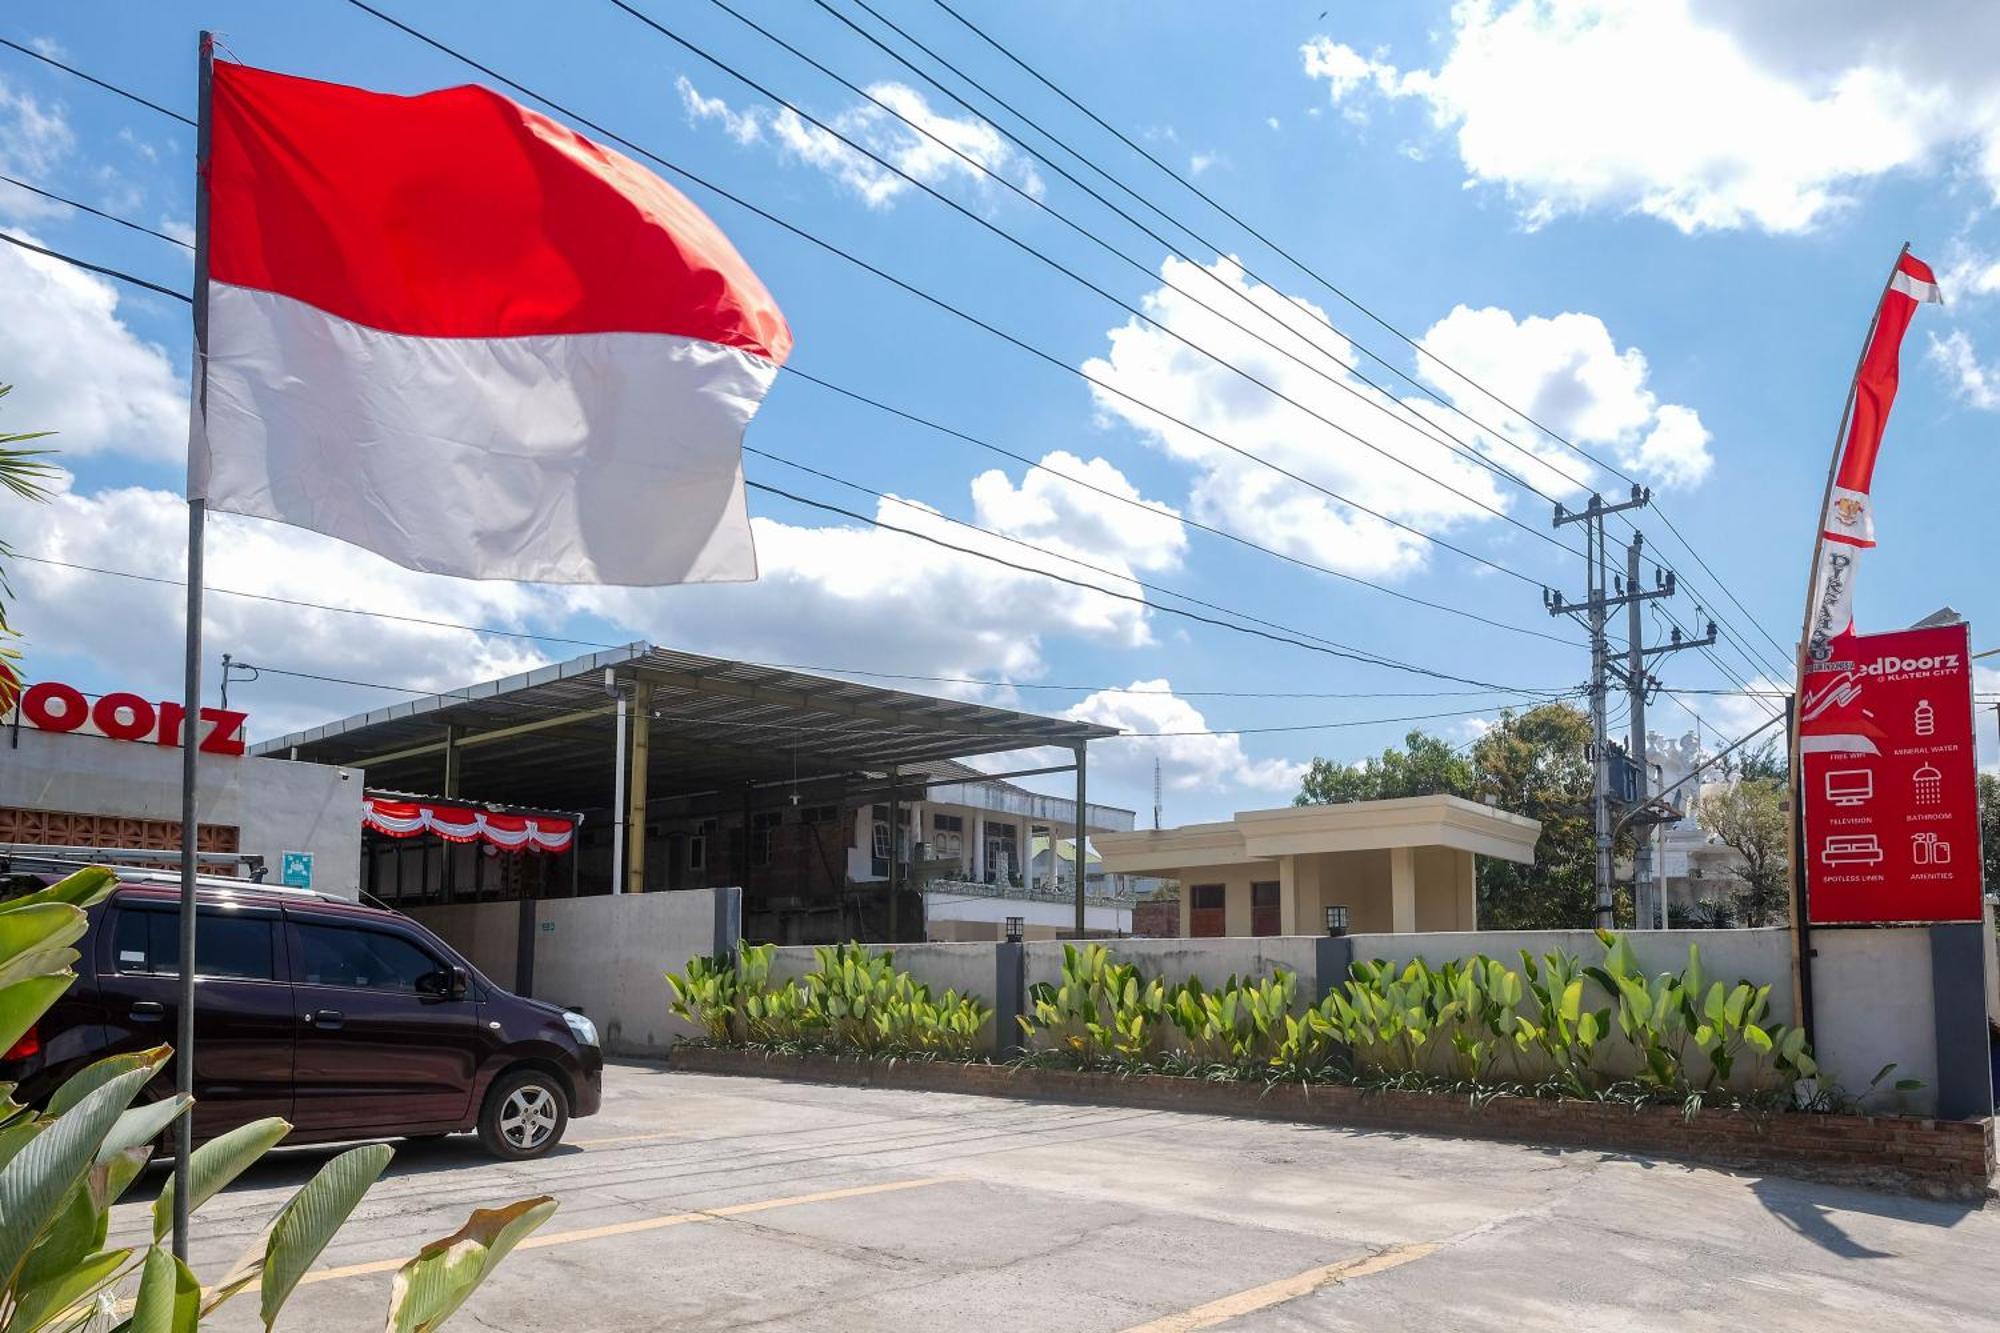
461, 984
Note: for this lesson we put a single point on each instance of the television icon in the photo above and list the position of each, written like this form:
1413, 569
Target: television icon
1861, 849
1850, 786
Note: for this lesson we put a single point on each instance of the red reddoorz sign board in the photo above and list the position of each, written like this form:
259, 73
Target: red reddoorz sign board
1891, 787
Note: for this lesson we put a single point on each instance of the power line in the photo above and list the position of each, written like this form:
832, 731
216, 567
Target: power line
983, 444
773, 725
1315, 276
1127, 575
1122, 596
1323, 646
129, 96
792, 371
72, 260
80, 206
528, 636
927, 297
1406, 419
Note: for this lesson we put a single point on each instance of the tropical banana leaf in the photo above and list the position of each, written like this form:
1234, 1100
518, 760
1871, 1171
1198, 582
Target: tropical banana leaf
36, 1307
94, 1076
84, 888
310, 1219
215, 1163
437, 1281
22, 1003
169, 1299
36, 1184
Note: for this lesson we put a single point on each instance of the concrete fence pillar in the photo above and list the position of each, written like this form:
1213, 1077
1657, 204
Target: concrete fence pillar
1010, 997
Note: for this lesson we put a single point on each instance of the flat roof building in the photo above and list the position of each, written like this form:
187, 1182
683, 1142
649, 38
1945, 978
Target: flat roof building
823, 799
1395, 866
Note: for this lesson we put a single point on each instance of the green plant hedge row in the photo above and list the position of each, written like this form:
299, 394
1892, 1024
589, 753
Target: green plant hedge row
1554, 1025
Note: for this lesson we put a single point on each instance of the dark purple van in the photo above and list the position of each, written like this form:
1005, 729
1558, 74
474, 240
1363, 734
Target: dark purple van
349, 1021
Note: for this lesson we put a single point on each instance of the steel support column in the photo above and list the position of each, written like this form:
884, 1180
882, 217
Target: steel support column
635, 787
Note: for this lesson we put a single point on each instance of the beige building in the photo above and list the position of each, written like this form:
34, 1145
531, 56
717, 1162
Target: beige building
1396, 866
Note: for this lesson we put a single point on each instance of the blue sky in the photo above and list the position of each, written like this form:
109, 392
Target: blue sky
1659, 227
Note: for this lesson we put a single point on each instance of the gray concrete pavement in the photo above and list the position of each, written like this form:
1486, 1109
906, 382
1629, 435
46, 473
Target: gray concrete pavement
712, 1203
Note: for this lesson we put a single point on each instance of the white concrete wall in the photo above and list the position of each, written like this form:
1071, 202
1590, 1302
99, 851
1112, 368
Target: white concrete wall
278, 805
608, 956
1213, 960
1873, 1005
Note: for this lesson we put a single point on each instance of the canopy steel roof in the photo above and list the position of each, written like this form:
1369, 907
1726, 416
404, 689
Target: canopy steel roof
546, 737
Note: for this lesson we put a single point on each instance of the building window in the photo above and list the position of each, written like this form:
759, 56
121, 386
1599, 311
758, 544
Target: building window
820, 814
878, 848
947, 836
764, 835
698, 845
1205, 911
1264, 916
1003, 854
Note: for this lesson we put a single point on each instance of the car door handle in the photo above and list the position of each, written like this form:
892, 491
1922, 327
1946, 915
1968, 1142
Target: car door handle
147, 1011
323, 1018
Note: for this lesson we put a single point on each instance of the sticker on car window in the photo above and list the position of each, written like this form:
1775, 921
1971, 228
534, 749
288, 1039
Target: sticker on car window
131, 955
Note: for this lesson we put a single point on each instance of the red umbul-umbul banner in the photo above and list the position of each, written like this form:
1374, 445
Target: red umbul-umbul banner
459, 334
1847, 522
1891, 794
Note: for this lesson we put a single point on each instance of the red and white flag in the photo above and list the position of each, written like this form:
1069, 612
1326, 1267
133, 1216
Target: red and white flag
1848, 523
457, 333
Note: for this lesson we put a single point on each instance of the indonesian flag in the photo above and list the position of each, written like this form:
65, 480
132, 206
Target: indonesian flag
459, 334
1848, 524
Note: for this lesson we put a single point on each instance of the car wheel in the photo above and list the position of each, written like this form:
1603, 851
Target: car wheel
525, 1115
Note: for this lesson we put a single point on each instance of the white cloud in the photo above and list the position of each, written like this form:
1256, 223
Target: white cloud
101, 619
1567, 373
1272, 121
34, 140
1207, 768
1200, 163
918, 140
1701, 113
851, 596
1977, 383
1970, 274
1567, 369
77, 370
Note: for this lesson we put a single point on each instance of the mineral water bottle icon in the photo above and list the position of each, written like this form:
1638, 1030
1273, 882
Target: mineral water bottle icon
1926, 718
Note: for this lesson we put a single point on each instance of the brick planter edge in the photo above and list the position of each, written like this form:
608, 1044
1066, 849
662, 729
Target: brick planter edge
1948, 1159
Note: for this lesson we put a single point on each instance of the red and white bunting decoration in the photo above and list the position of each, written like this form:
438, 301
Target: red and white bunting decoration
459, 823
458, 333
1847, 527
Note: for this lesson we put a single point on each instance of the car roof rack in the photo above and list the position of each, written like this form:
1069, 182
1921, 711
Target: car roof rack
18, 856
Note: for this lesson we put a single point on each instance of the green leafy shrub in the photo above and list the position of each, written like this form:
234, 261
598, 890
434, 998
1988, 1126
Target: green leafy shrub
853, 1000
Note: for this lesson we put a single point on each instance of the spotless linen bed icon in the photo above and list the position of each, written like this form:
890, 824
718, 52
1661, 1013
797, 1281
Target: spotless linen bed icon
1851, 849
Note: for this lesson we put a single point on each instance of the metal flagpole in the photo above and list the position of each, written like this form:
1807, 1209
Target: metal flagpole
1800, 986
191, 694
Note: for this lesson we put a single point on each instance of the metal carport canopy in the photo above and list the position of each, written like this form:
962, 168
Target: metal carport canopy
546, 737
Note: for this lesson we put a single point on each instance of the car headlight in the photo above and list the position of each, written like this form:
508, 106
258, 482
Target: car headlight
581, 1028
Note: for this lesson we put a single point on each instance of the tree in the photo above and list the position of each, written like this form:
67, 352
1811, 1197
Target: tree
1989, 829
1766, 762
1537, 764
28, 474
1748, 816
1425, 766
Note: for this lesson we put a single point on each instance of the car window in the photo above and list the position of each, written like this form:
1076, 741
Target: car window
367, 959
227, 947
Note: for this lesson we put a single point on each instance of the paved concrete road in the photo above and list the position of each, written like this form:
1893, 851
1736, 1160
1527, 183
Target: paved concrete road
713, 1203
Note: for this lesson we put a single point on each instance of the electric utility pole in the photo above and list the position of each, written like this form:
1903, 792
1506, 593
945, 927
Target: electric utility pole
1639, 687
1593, 612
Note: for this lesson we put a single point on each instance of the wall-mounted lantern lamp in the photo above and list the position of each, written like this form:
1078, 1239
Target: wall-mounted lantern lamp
1015, 928
1336, 920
